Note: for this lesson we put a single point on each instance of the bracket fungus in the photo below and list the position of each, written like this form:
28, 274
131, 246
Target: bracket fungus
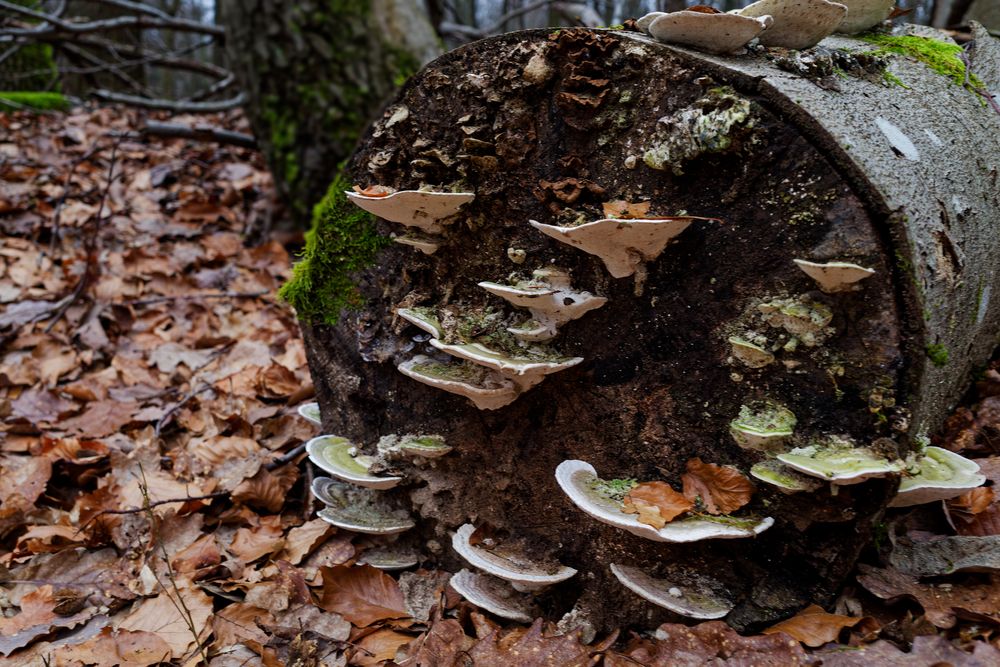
622, 244
310, 412
427, 446
422, 209
784, 478
486, 389
750, 354
579, 481
340, 458
803, 318
523, 371
357, 509
507, 563
422, 318
864, 14
939, 475
834, 276
798, 24
762, 426
390, 558
838, 461
643, 22
550, 299
421, 242
696, 599
707, 29
494, 595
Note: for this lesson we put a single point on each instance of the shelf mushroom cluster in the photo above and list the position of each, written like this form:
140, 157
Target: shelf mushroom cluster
425, 211
791, 24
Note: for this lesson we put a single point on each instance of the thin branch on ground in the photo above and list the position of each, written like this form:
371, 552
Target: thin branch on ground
171, 105
168, 415
51, 24
205, 133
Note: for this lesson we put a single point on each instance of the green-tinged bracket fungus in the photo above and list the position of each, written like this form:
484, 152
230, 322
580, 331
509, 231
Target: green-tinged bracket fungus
798, 24
695, 598
340, 457
937, 475
310, 412
528, 349
390, 558
505, 561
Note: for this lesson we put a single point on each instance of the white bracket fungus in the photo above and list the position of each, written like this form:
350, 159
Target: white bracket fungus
695, 600
414, 208
838, 461
709, 32
507, 564
486, 389
787, 480
427, 446
310, 412
494, 595
762, 426
864, 14
550, 299
358, 510
525, 372
834, 276
750, 354
339, 457
622, 244
424, 244
798, 24
939, 475
643, 23
579, 481
423, 318
390, 558
805, 319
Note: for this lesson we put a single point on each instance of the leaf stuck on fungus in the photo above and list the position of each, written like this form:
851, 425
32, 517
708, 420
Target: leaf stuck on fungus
374, 191
722, 489
656, 503
621, 209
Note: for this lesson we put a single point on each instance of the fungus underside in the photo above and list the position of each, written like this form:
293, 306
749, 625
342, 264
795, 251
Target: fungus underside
942, 57
342, 240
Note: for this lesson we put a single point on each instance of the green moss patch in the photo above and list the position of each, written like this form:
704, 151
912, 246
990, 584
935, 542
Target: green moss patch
942, 57
938, 354
16, 101
342, 240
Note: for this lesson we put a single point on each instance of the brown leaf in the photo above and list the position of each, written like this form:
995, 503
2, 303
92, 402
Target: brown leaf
931, 650
301, 540
238, 622
116, 647
656, 503
622, 209
202, 554
443, 644
374, 191
722, 489
166, 618
267, 489
530, 647
37, 618
813, 627
379, 646
276, 381
362, 595
249, 544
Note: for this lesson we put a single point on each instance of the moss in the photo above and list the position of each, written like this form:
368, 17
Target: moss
613, 489
941, 57
938, 354
342, 240
15, 101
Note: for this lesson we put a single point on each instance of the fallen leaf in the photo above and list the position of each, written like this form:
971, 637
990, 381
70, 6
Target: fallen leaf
721, 489
267, 489
238, 622
165, 617
940, 601
656, 503
361, 594
36, 619
814, 627
620, 208
927, 650
378, 647
111, 647
249, 544
302, 540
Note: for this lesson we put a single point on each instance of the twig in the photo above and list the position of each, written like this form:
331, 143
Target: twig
52, 24
155, 503
170, 105
168, 415
199, 133
288, 457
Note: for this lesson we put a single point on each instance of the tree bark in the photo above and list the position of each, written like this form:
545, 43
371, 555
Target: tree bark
900, 179
314, 72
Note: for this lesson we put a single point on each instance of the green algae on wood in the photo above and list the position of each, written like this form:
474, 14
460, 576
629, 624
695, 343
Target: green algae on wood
942, 57
34, 101
342, 240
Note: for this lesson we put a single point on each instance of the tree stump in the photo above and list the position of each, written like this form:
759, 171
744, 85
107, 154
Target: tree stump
834, 158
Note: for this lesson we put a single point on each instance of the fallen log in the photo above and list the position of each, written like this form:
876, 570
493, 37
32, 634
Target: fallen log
805, 174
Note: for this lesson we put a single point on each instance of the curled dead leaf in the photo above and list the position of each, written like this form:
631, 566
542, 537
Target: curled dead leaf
656, 503
721, 489
374, 191
814, 627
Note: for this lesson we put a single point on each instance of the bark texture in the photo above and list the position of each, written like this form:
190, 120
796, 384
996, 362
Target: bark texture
540, 123
313, 73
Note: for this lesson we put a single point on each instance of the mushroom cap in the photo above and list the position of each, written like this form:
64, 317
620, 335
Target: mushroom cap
749, 354
507, 365
578, 481
834, 276
494, 595
864, 14
337, 457
414, 208
798, 24
622, 244
310, 412
424, 244
941, 475
487, 390
357, 509
422, 318
788, 480
700, 602
508, 565
523, 296
532, 332
762, 426
713, 33
839, 464
643, 22
390, 558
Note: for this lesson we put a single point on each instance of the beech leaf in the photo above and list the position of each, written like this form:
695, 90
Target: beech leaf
362, 595
656, 503
722, 489
814, 627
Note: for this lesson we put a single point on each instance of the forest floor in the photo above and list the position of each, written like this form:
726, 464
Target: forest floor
154, 503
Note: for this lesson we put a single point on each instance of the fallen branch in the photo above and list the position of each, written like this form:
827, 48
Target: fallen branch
170, 105
50, 24
168, 415
205, 133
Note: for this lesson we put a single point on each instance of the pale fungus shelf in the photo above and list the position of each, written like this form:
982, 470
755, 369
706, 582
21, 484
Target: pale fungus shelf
549, 298
784, 478
622, 244
695, 598
508, 563
763, 426
864, 14
494, 595
805, 319
488, 390
837, 460
834, 277
707, 29
310, 412
523, 371
390, 558
422, 209
579, 481
358, 509
399, 446
339, 457
421, 242
750, 354
798, 24
422, 318
937, 475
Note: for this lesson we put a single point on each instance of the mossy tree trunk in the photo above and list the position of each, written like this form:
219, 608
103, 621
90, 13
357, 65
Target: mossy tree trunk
886, 168
314, 72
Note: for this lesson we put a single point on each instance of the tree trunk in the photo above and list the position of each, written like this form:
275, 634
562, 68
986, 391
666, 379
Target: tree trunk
546, 126
313, 73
